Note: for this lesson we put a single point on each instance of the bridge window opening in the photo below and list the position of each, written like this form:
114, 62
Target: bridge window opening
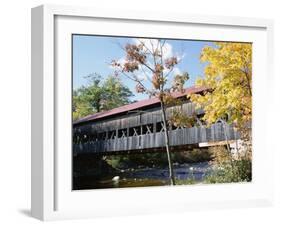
122, 133
223, 119
102, 136
134, 131
94, 137
112, 134
90, 138
147, 129
84, 138
131, 131
200, 121
174, 127
159, 127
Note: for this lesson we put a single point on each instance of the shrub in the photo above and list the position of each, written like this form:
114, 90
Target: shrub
227, 169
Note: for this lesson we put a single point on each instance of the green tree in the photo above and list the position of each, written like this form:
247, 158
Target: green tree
99, 95
115, 94
80, 107
93, 92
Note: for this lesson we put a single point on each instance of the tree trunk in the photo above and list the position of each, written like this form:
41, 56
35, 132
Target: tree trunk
228, 146
167, 144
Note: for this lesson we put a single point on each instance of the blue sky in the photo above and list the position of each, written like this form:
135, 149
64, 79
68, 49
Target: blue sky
92, 54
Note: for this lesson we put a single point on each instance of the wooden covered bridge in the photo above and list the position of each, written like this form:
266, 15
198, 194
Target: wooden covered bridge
139, 127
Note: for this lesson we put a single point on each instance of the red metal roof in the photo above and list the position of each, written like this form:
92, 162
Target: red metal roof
136, 105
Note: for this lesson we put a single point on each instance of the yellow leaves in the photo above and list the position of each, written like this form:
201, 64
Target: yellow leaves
199, 82
227, 54
206, 53
228, 74
210, 70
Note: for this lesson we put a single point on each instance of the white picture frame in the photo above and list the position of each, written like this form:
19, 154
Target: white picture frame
52, 197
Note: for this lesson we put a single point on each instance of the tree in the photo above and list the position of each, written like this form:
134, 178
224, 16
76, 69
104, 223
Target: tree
150, 64
99, 95
115, 93
80, 107
228, 78
93, 92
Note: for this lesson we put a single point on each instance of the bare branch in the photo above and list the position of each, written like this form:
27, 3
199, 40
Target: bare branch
146, 75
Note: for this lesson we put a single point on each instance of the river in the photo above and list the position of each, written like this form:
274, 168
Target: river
195, 172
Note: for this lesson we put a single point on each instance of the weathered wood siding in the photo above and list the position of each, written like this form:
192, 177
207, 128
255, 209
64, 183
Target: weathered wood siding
134, 119
142, 130
178, 137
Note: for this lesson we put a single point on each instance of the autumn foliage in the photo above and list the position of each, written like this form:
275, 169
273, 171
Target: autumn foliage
228, 75
150, 58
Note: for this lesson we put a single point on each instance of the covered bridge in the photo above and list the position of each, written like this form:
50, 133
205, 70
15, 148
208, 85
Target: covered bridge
139, 127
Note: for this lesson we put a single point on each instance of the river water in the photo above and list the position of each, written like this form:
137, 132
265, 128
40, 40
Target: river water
155, 176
